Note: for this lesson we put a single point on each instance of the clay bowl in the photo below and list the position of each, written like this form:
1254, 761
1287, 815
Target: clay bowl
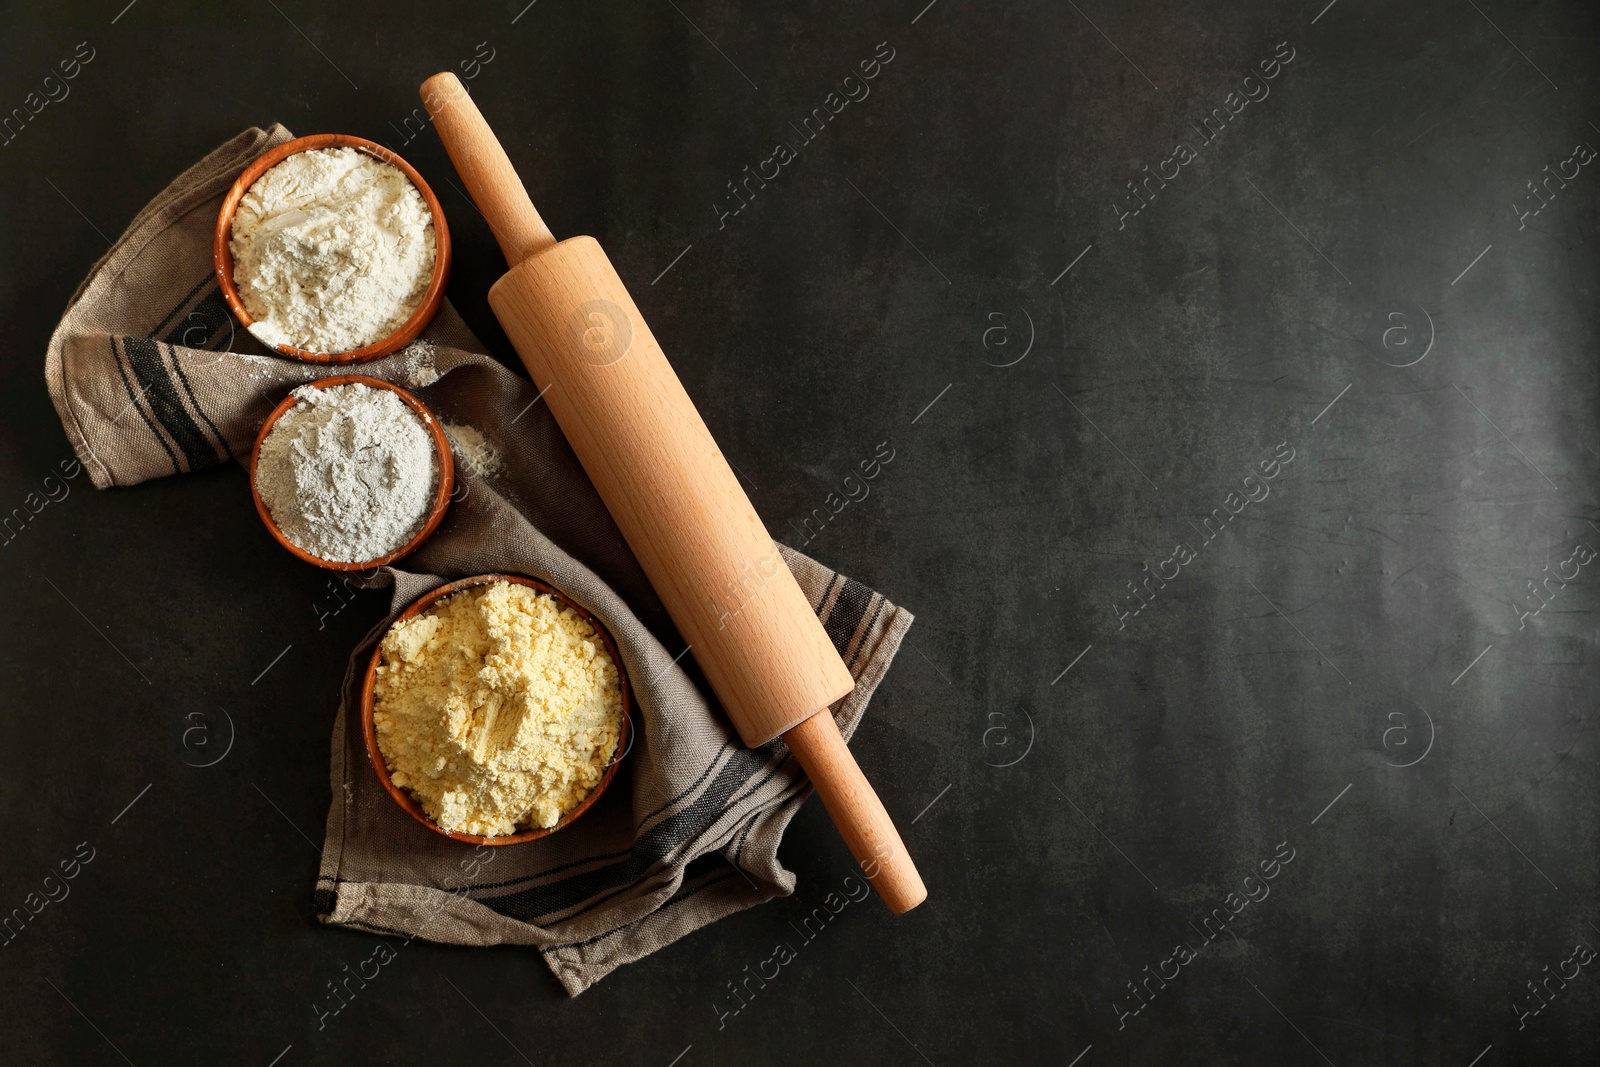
222, 253
441, 497
369, 731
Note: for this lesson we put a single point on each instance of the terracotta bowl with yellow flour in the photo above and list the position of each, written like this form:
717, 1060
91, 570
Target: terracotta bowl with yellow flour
495, 710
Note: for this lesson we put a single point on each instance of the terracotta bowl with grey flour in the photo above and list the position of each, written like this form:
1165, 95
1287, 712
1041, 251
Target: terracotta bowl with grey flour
445, 466
222, 252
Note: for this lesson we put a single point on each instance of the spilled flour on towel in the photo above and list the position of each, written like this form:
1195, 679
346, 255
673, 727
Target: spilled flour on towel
419, 368
473, 449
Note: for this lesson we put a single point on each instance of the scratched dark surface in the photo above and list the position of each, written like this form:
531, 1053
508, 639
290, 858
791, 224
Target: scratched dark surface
1365, 669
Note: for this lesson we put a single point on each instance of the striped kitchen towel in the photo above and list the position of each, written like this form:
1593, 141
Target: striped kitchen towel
151, 377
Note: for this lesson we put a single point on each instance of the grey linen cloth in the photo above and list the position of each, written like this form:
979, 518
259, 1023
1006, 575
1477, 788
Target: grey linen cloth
151, 377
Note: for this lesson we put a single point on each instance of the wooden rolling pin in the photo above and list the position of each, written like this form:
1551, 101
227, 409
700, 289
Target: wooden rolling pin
671, 492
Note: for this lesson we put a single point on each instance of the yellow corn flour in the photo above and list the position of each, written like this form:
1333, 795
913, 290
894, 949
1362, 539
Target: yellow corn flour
498, 709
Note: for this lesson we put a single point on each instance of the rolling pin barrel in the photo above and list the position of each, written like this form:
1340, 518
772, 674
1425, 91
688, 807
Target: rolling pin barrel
672, 493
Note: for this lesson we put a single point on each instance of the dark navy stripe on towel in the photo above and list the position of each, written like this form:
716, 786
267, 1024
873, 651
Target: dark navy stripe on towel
133, 402
144, 356
203, 324
846, 614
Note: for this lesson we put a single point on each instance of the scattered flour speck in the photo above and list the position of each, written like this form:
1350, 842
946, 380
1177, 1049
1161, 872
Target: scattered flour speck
474, 449
419, 368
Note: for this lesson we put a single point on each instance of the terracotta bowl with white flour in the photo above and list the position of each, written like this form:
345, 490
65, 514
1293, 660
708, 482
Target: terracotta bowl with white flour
498, 706
332, 249
350, 472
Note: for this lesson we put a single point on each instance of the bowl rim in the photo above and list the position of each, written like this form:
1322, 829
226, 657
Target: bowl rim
369, 730
441, 496
222, 251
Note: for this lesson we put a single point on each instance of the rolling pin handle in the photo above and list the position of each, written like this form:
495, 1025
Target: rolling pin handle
484, 166
856, 811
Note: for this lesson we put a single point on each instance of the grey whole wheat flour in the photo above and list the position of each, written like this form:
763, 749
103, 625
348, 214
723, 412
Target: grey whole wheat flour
349, 473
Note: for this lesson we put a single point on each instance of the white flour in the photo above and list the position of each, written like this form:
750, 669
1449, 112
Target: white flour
349, 473
332, 250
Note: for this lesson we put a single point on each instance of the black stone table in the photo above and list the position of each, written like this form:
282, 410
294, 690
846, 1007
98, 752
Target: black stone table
1238, 363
